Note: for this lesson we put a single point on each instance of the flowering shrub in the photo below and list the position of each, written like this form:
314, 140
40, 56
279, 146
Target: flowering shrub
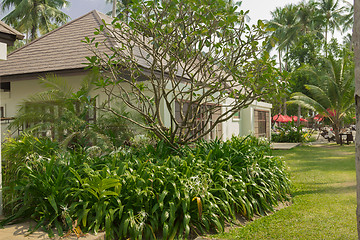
144, 192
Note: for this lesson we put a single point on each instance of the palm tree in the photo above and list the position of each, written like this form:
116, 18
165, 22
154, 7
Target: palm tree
285, 24
333, 95
310, 20
59, 112
120, 9
348, 17
331, 12
36, 15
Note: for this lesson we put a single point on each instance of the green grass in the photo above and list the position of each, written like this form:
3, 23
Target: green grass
324, 198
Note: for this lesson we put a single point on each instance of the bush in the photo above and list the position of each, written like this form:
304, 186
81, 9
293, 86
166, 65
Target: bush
151, 191
15, 153
289, 132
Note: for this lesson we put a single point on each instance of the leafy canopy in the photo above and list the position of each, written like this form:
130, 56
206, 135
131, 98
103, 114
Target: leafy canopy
184, 60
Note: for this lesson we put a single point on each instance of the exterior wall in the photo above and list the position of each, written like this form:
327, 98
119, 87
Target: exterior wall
22, 89
3, 51
246, 124
247, 121
232, 126
25, 87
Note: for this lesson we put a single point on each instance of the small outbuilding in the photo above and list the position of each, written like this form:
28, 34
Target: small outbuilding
8, 36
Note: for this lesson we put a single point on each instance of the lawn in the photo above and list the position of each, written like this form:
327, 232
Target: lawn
324, 198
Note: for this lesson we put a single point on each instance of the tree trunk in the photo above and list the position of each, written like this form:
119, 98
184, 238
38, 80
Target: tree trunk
299, 115
326, 36
280, 67
285, 110
336, 129
356, 44
114, 9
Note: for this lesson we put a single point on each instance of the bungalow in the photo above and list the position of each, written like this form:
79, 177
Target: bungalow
8, 36
61, 52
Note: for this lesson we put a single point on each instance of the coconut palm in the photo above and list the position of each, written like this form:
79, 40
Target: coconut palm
120, 9
34, 16
310, 20
348, 17
356, 35
285, 24
332, 14
333, 95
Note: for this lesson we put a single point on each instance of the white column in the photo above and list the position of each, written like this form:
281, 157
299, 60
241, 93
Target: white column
3, 56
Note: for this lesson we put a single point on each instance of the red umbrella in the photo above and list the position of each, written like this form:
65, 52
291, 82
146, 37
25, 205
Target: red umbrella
288, 118
295, 118
281, 118
318, 118
331, 112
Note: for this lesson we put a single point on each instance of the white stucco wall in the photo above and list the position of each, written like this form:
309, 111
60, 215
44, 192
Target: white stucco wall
3, 51
247, 121
22, 89
245, 125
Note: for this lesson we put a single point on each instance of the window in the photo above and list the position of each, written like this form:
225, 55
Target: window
5, 86
204, 118
262, 126
236, 116
2, 112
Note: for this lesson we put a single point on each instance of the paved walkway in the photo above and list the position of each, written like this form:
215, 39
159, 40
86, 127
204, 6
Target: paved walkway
20, 232
287, 146
283, 146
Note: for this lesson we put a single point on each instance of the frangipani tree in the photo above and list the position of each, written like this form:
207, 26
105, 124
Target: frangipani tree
333, 94
184, 59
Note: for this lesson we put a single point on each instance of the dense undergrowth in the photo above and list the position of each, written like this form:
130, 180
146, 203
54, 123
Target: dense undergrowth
142, 192
290, 132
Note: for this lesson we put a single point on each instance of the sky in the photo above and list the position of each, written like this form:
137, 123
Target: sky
259, 9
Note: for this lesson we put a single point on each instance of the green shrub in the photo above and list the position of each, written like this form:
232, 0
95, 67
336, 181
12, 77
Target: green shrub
144, 192
15, 153
289, 132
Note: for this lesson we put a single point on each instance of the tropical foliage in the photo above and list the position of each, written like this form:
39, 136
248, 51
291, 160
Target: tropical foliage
289, 132
316, 20
36, 16
147, 191
70, 117
332, 94
206, 55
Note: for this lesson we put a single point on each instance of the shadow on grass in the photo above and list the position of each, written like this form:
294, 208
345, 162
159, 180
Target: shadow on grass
327, 190
321, 158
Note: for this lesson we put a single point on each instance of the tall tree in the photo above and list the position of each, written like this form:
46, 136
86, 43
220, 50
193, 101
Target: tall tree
197, 62
356, 44
309, 18
285, 24
332, 13
332, 95
348, 17
120, 9
285, 27
32, 17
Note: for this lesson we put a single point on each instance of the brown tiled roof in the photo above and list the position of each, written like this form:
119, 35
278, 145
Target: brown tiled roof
60, 49
4, 28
